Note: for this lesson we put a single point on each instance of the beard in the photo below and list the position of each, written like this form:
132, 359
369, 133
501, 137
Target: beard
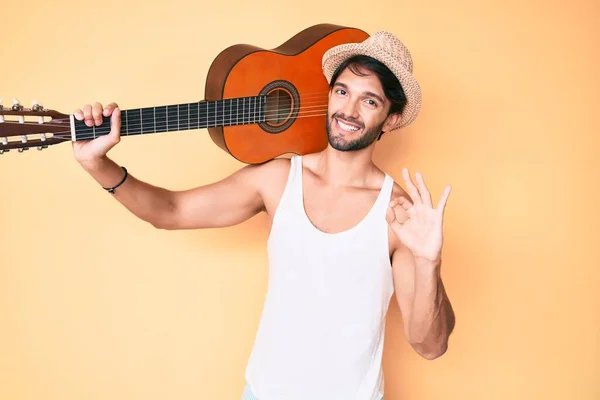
368, 137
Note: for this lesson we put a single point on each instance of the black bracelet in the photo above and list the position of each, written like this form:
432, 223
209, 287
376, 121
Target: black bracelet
112, 189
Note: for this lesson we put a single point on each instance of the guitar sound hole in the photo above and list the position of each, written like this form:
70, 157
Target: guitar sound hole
282, 106
278, 107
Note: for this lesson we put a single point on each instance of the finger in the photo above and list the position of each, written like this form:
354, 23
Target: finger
97, 113
78, 114
87, 115
425, 195
108, 110
442, 203
411, 188
390, 217
405, 203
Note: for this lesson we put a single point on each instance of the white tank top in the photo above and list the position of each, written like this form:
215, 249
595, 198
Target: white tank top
322, 327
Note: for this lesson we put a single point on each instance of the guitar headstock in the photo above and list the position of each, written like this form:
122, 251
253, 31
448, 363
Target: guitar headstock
22, 128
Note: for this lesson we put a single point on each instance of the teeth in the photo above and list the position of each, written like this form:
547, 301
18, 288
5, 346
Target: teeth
347, 127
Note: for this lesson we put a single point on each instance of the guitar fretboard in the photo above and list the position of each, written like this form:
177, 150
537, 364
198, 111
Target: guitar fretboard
180, 117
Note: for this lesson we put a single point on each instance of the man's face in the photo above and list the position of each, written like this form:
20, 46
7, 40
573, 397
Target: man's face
357, 111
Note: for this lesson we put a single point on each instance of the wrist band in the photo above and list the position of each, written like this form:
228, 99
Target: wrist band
112, 189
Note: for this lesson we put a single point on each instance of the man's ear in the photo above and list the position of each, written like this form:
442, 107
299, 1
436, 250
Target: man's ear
390, 121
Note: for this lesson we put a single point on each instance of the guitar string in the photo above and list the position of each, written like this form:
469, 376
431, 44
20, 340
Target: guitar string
217, 119
89, 136
250, 108
67, 134
251, 112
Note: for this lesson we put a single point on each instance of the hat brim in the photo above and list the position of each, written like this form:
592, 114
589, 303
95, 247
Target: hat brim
337, 55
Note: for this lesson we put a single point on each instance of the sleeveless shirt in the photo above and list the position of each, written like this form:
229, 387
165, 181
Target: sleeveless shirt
321, 332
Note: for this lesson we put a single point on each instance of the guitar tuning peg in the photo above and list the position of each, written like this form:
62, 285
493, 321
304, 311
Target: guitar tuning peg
38, 107
16, 105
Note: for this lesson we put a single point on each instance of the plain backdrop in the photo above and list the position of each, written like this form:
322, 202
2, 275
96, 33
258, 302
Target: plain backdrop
96, 304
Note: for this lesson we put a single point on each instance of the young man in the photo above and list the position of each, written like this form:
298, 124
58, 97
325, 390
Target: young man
343, 235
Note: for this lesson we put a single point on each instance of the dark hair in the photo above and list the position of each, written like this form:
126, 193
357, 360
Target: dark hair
391, 86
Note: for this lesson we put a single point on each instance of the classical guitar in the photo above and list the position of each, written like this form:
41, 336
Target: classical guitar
259, 104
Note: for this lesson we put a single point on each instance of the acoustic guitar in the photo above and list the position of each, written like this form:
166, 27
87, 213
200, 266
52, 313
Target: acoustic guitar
259, 104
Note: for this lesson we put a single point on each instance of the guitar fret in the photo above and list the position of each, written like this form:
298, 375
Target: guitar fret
172, 118
250, 115
148, 123
183, 117
161, 118
203, 115
249, 110
192, 115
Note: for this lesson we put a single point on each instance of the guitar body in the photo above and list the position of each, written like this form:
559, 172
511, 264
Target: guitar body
297, 91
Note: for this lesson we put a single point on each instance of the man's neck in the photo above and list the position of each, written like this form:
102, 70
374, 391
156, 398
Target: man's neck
345, 168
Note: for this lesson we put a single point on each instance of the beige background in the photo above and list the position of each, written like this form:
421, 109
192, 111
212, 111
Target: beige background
95, 304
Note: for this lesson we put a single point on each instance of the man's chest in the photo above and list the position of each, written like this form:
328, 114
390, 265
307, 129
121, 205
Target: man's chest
336, 210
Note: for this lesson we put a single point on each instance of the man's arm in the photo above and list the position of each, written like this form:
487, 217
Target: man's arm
224, 203
426, 310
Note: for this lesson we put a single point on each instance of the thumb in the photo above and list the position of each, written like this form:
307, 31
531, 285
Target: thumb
103, 144
115, 126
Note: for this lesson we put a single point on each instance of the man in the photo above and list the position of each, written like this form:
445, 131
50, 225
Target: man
343, 235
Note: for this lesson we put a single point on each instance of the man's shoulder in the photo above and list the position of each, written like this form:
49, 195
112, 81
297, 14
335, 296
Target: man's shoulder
270, 179
269, 174
274, 167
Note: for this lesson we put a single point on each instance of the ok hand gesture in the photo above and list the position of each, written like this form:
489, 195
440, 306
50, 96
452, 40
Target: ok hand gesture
422, 231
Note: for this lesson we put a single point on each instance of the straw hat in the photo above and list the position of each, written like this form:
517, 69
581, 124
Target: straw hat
388, 49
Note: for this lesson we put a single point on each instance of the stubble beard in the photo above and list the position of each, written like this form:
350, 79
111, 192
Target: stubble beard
368, 137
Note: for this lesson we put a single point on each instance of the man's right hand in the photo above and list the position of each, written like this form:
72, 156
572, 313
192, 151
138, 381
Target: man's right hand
91, 152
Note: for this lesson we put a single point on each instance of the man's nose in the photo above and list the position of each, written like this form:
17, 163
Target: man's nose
350, 109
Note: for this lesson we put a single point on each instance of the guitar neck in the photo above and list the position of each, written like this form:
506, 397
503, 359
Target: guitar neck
180, 117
